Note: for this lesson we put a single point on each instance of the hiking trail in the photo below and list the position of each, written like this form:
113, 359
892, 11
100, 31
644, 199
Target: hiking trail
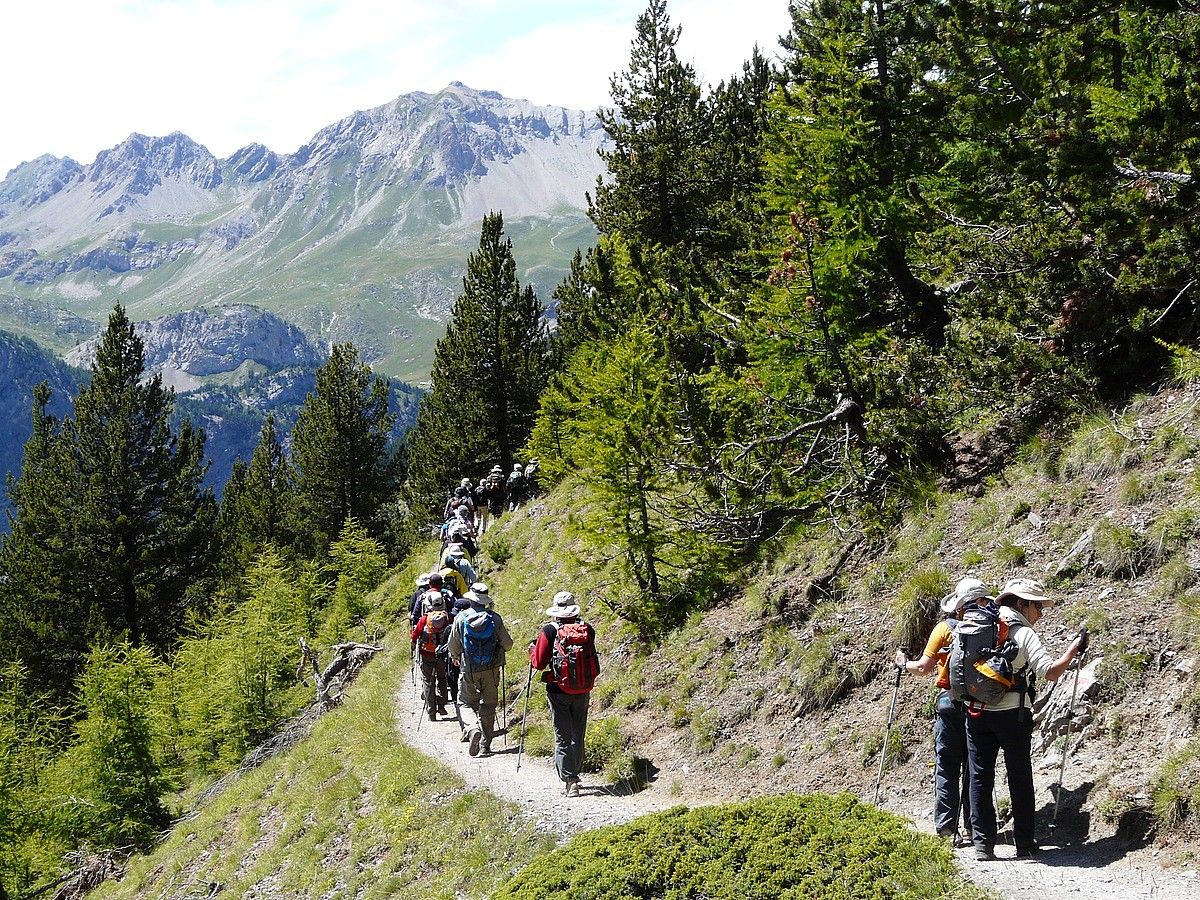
536, 788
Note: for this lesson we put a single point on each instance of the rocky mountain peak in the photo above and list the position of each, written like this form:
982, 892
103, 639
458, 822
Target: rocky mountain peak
38, 180
254, 162
141, 163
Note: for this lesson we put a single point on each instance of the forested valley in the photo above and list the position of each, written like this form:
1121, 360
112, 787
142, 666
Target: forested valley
918, 242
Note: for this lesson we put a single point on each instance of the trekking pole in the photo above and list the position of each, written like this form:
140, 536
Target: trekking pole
887, 735
504, 706
524, 716
1062, 770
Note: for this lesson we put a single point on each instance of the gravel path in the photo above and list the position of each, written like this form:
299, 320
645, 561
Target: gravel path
1088, 871
535, 787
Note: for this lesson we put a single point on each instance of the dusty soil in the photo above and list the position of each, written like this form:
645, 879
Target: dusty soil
536, 787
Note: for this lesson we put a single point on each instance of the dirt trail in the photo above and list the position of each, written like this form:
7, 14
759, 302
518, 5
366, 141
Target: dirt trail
536, 787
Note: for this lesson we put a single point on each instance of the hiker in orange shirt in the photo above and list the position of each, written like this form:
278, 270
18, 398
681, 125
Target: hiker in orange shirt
950, 774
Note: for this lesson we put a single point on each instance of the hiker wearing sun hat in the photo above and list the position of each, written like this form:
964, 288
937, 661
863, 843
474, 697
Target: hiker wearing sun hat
566, 650
950, 776
1007, 724
477, 644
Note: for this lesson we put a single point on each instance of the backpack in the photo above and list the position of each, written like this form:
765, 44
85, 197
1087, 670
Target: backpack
479, 645
434, 635
980, 665
573, 661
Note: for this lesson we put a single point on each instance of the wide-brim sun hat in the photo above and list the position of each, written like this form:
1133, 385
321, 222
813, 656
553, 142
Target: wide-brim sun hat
563, 606
1026, 589
477, 598
968, 590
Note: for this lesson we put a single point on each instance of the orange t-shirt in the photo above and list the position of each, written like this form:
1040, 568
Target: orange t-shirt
938, 647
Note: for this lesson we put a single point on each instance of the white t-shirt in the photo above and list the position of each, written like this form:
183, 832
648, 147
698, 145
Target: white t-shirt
1032, 657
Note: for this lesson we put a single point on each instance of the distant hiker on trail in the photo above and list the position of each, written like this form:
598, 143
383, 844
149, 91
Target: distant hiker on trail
952, 784
414, 605
482, 513
455, 557
566, 650
531, 473
516, 487
478, 642
495, 493
429, 638
1006, 722
452, 581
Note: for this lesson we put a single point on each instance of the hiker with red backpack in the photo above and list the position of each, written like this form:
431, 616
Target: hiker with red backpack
477, 644
429, 638
994, 664
566, 649
952, 785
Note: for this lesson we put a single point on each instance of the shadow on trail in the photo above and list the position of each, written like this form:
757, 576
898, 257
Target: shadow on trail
1068, 844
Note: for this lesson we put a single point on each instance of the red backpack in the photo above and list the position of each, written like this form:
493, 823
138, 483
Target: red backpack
434, 634
574, 664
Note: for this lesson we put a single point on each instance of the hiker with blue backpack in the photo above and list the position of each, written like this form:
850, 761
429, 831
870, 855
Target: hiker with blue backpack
566, 650
477, 644
994, 664
950, 772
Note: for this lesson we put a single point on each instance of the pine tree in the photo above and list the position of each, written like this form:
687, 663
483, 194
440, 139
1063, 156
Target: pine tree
654, 194
259, 505
487, 373
112, 532
340, 448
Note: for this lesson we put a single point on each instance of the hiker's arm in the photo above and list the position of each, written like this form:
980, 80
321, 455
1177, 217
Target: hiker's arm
539, 656
1060, 665
922, 666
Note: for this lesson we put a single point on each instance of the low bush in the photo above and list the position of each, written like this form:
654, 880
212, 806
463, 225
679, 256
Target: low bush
786, 847
1175, 797
1100, 447
1120, 552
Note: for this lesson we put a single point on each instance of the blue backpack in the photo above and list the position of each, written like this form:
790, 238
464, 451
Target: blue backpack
479, 645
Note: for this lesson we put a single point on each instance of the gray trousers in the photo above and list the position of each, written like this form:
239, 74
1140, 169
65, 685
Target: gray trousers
478, 694
433, 682
568, 714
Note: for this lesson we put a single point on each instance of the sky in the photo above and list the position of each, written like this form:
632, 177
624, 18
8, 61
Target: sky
78, 76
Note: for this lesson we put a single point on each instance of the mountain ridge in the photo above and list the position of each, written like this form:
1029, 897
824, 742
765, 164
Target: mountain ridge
361, 234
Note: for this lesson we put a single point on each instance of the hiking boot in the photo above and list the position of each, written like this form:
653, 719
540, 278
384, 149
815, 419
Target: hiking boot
573, 787
442, 711
432, 716
984, 854
476, 739
1028, 852
485, 749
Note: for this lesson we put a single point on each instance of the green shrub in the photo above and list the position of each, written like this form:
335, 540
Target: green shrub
1010, 555
916, 603
1133, 489
972, 558
705, 730
1176, 576
1120, 551
1172, 530
786, 847
1100, 447
497, 546
1185, 363
1175, 796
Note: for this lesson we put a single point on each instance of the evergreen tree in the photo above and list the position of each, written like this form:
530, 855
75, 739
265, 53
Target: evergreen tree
112, 531
654, 193
487, 372
340, 448
259, 505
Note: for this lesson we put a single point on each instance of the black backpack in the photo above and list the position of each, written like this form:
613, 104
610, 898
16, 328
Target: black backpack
980, 664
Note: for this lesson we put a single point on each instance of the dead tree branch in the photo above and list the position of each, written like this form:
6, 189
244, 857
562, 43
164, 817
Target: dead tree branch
348, 660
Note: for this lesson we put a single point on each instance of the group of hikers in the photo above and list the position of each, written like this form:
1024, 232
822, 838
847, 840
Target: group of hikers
988, 658
461, 643
472, 508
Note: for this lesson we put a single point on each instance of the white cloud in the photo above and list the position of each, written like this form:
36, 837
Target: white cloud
80, 75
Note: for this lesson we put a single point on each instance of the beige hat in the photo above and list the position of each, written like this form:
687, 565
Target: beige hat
1026, 589
563, 606
968, 590
477, 596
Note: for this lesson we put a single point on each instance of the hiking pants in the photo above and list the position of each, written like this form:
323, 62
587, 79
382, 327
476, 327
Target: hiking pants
568, 714
433, 678
452, 673
1010, 730
481, 516
952, 781
478, 694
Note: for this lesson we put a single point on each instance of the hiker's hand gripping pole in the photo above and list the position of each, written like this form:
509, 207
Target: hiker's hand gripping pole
1062, 769
524, 716
887, 735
